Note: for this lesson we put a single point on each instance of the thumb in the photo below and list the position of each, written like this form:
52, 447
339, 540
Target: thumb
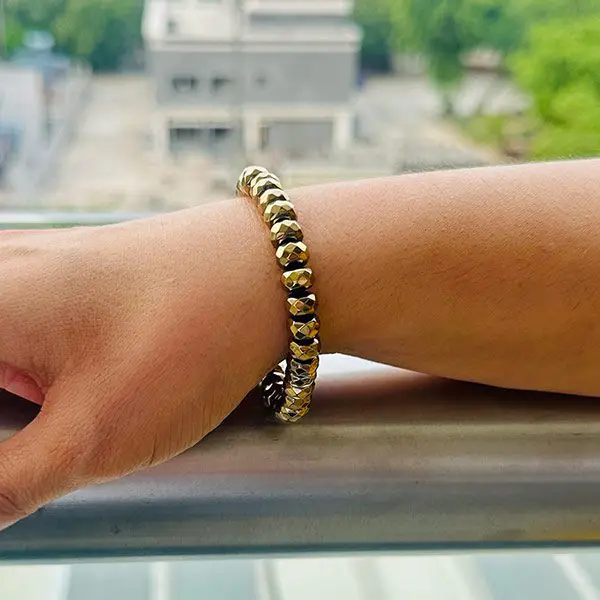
37, 465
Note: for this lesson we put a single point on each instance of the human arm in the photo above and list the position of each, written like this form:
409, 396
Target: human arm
140, 338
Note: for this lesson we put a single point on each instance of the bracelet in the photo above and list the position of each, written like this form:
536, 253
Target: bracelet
288, 393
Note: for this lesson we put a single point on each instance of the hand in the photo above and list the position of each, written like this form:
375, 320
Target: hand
136, 339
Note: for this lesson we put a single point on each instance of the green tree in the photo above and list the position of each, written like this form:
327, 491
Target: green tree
443, 31
373, 17
560, 69
23, 15
103, 32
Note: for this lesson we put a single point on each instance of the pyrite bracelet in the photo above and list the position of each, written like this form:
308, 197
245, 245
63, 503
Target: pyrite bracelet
288, 393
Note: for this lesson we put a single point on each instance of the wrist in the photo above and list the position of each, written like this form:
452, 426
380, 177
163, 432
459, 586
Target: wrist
234, 282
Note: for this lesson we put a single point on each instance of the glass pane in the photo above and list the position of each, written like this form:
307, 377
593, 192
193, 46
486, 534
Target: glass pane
137, 106
487, 576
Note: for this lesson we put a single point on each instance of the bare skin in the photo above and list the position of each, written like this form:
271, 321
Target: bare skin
139, 339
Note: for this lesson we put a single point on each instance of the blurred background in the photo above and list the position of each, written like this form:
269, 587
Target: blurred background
149, 105
145, 105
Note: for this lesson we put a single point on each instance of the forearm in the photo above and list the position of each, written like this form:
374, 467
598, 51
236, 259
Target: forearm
491, 275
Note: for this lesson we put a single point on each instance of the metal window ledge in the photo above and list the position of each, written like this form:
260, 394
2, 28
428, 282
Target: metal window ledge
386, 460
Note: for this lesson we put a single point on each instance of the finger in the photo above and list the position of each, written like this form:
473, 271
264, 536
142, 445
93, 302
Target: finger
37, 465
20, 384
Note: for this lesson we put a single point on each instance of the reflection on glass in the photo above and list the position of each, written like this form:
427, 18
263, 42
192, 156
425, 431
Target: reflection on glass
485, 576
153, 105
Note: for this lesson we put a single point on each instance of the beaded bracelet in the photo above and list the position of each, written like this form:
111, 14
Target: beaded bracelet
288, 393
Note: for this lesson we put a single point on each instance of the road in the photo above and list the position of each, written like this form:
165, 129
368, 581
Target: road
110, 164
401, 115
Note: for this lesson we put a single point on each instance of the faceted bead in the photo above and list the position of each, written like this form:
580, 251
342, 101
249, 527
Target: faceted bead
297, 392
247, 177
297, 403
297, 279
286, 415
300, 379
292, 252
272, 388
309, 368
261, 185
291, 403
286, 230
302, 306
278, 211
274, 398
269, 196
305, 331
305, 351
274, 377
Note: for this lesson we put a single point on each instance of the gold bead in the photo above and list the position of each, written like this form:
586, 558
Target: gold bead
247, 177
305, 351
279, 210
292, 252
269, 196
286, 230
285, 415
300, 379
262, 184
297, 279
305, 331
298, 392
292, 402
307, 367
302, 306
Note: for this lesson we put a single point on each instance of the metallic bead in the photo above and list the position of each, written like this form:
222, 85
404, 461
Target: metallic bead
271, 195
308, 367
305, 331
247, 177
262, 184
278, 211
286, 230
274, 398
297, 279
295, 403
274, 377
305, 351
300, 379
292, 252
295, 393
306, 305
285, 415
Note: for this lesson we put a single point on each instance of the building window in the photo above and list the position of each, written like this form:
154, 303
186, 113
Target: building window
219, 84
185, 85
172, 26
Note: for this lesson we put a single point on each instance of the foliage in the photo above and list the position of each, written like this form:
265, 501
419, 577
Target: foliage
103, 32
443, 31
24, 15
373, 17
115, 33
560, 69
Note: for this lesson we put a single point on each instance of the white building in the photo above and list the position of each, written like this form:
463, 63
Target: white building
275, 76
